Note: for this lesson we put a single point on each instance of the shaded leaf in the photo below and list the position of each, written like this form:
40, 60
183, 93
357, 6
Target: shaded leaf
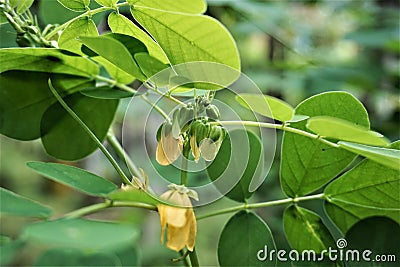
265, 105
25, 100
13, 204
380, 235
79, 233
9, 250
75, 5
307, 164
184, 6
115, 72
73, 177
80, 27
241, 240
305, 230
46, 60
386, 156
64, 138
235, 166
369, 189
108, 3
344, 130
151, 66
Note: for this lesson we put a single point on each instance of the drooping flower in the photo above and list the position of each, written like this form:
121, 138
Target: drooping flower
168, 149
179, 221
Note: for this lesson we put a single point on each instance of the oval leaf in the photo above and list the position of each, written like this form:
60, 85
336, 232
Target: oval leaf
75, 5
172, 30
244, 241
386, 156
13, 204
46, 60
25, 100
305, 230
63, 137
106, 45
235, 166
307, 164
332, 127
183, 6
380, 235
83, 234
73, 177
267, 106
79, 27
369, 189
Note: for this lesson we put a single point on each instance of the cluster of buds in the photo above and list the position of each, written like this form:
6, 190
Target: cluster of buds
187, 131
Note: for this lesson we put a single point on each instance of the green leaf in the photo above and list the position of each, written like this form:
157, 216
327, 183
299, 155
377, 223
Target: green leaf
235, 166
64, 138
134, 195
307, 164
172, 30
80, 27
75, 257
46, 60
21, 5
75, 5
25, 100
82, 234
13, 204
344, 130
305, 230
106, 92
380, 235
369, 189
73, 177
243, 238
386, 156
106, 45
9, 250
151, 66
267, 106
120, 24
108, 3
182, 6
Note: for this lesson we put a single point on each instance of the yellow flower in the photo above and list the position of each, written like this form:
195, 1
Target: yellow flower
180, 221
168, 149
194, 147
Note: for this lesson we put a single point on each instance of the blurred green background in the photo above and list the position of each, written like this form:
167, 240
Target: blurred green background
291, 50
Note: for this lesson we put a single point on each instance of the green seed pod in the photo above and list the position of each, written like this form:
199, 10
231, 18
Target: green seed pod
202, 131
193, 127
213, 112
215, 133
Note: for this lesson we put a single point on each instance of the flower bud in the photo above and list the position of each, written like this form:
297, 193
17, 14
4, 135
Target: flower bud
213, 112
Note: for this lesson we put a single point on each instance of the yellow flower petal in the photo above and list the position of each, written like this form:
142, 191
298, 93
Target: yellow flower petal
208, 149
168, 149
192, 230
195, 148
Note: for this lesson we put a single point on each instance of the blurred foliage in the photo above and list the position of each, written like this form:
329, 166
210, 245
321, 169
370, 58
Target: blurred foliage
291, 50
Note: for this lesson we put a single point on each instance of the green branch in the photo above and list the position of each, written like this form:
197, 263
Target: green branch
90, 133
279, 127
260, 205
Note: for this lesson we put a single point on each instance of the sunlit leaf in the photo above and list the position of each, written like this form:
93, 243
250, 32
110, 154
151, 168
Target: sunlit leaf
307, 164
268, 106
46, 60
332, 127
73, 177
108, 3
75, 5
80, 27
13, 204
134, 195
183, 6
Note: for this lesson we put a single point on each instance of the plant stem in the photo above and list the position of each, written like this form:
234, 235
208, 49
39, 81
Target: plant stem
184, 166
280, 127
193, 258
90, 133
167, 94
116, 84
184, 258
261, 205
157, 108
105, 205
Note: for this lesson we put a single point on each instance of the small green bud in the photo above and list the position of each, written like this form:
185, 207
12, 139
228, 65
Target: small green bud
215, 133
213, 112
